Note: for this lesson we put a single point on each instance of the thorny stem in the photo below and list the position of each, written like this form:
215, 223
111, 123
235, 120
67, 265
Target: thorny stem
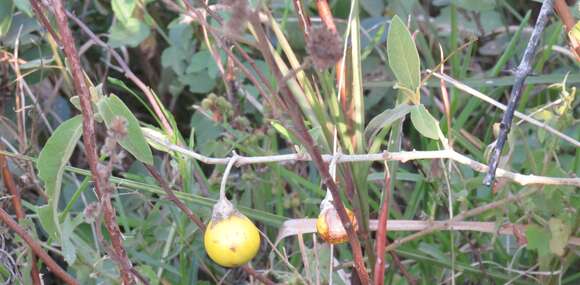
37, 249
520, 76
89, 140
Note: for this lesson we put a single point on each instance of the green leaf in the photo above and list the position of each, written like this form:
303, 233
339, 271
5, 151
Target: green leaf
48, 221
198, 82
24, 6
560, 234
477, 6
403, 55
135, 143
385, 119
425, 123
538, 239
123, 9
50, 164
433, 251
199, 61
148, 272
6, 9
130, 33
375, 8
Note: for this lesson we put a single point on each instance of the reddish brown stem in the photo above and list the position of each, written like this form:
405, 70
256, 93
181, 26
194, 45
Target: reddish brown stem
43, 20
563, 11
565, 15
17, 204
326, 15
101, 183
382, 232
292, 108
37, 249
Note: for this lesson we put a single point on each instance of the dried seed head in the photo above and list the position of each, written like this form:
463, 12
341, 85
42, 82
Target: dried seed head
118, 128
324, 47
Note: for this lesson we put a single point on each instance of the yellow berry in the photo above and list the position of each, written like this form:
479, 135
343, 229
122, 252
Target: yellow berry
329, 226
232, 241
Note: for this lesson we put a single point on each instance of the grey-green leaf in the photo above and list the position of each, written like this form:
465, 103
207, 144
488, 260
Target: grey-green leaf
403, 55
385, 119
50, 164
424, 122
135, 143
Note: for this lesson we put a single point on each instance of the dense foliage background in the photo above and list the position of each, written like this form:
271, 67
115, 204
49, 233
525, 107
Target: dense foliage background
214, 105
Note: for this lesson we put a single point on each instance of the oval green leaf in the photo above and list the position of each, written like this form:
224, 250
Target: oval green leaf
50, 164
403, 55
424, 122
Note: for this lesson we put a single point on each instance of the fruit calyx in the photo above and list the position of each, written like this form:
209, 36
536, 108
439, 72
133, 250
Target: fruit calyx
223, 209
